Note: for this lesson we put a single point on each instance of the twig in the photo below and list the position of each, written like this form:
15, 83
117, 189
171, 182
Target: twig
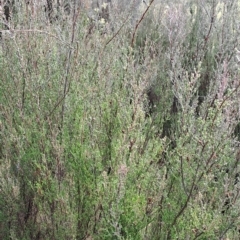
138, 23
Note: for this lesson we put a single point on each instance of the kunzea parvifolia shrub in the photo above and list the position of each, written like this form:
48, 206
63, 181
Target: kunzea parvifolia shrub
126, 134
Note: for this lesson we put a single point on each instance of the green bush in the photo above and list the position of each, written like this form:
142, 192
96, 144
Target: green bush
121, 130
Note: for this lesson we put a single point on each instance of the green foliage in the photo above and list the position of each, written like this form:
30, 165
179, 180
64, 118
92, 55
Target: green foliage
131, 134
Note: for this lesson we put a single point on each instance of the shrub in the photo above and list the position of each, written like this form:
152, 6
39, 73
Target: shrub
124, 130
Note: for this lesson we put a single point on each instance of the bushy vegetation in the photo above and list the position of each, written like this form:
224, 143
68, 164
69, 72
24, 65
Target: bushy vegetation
121, 128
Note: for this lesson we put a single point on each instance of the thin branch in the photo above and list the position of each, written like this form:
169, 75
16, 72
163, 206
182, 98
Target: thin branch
118, 31
67, 82
138, 23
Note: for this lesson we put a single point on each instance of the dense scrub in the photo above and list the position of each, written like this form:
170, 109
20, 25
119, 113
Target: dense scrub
121, 130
